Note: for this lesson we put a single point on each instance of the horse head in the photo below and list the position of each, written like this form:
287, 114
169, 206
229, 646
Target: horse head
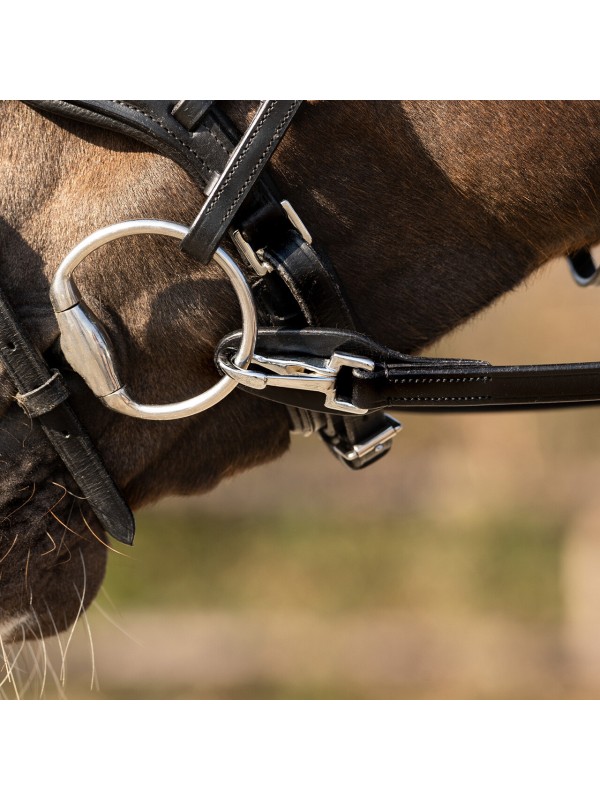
428, 211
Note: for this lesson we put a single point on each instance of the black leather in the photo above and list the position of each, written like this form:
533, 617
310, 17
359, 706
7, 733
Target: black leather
496, 387
312, 283
190, 112
238, 178
43, 399
43, 395
419, 383
200, 152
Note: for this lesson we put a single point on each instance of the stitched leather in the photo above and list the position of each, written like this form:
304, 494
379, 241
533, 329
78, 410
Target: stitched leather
418, 383
32, 379
200, 152
238, 178
497, 387
190, 112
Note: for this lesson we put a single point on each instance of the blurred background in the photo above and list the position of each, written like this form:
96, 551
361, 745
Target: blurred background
466, 564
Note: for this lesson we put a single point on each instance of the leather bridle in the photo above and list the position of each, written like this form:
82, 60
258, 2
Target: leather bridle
299, 344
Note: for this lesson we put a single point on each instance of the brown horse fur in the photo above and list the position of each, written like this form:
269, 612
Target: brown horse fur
428, 210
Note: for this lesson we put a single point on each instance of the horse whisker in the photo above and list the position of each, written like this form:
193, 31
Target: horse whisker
44, 652
6, 665
65, 526
72, 631
18, 508
53, 545
60, 645
107, 617
10, 548
56, 680
95, 535
9, 667
86, 621
67, 491
27, 576
32, 667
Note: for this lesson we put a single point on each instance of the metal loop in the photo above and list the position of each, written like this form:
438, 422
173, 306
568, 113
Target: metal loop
87, 346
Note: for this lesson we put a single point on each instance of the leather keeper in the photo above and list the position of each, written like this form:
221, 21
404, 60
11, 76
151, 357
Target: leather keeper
44, 398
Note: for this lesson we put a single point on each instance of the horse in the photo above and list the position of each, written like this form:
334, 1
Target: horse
429, 212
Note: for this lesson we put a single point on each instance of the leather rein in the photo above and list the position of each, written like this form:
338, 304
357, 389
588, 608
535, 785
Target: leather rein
298, 345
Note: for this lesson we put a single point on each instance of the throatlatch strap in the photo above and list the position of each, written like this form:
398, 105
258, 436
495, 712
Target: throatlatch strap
42, 394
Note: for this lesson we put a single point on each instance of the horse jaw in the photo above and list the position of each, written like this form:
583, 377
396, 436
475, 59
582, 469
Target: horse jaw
52, 553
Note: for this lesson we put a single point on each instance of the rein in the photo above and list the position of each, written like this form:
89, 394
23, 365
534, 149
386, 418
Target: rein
298, 345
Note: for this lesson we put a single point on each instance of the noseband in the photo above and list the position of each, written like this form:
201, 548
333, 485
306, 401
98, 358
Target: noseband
299, 343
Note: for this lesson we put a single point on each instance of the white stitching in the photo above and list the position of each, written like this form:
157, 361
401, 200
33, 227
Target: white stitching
258, 165
160, 124
240, 157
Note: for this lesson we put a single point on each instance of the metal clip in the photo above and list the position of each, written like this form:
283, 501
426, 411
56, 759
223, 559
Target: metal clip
254, 259
310, 375
250, 257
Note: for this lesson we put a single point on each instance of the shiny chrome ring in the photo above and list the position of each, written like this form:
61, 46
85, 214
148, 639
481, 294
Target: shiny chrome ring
87, 346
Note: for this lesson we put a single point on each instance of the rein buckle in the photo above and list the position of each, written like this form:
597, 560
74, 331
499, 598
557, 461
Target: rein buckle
370, 447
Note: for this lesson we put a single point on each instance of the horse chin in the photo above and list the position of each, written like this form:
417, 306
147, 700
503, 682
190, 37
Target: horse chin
52, 553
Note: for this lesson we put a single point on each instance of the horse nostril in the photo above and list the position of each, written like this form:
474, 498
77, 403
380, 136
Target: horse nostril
10, 346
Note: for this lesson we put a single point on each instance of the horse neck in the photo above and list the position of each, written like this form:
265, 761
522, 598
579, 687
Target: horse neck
429, 211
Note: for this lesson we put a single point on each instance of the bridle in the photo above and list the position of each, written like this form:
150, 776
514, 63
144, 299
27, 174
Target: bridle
299, 343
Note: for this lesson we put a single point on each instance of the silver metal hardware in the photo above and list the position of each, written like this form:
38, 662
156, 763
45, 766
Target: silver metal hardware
303, 422
260, 267
296, 221
309, 374
87, 346
212, 182
373, 446
254, 259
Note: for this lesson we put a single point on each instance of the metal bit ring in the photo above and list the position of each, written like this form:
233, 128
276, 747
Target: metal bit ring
87, 346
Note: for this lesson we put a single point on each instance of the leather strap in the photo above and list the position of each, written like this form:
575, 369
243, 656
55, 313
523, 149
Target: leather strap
495, 387
310, 292
200, 138
312, 283
44, 398
190, 112
42, 394
417, 383
239, 176
193, 133
200, 152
